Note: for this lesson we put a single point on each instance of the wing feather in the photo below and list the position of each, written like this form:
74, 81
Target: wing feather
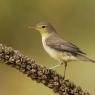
54, 41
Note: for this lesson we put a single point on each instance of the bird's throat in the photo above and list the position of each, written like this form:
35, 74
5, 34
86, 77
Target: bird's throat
45, 35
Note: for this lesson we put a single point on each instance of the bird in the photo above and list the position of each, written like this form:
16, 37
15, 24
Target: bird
61, 50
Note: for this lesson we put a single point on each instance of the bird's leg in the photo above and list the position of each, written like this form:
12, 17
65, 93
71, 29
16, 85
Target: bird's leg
55, 66
65, 63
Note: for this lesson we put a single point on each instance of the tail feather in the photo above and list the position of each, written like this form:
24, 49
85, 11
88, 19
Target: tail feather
85, 58
91, 60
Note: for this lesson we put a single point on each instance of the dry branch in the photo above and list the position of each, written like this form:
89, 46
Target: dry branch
39, 73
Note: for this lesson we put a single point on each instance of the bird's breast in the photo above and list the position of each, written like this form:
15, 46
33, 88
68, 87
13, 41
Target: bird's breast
57, 54
52, 52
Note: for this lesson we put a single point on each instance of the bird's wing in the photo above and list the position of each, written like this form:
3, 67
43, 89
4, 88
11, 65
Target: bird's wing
59, 44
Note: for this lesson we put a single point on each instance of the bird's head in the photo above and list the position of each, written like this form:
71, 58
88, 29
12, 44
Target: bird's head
43, 27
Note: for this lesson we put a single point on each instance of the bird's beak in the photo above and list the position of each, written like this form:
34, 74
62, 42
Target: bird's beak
31, 27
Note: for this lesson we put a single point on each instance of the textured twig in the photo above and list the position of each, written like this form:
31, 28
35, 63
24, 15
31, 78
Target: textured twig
38, 73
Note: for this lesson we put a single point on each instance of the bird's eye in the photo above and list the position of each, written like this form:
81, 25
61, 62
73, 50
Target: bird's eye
43, 26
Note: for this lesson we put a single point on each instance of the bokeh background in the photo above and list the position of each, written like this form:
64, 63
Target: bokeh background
73, 19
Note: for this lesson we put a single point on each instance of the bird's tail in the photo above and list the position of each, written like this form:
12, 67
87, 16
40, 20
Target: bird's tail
91, 60
85, 58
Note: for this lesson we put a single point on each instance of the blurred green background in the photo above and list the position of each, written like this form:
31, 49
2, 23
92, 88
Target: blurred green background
73, 19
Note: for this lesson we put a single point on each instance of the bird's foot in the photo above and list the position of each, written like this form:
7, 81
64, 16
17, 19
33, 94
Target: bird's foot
55, 66
65, 69
65, 63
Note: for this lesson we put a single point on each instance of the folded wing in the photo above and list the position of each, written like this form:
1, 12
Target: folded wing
55, 42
